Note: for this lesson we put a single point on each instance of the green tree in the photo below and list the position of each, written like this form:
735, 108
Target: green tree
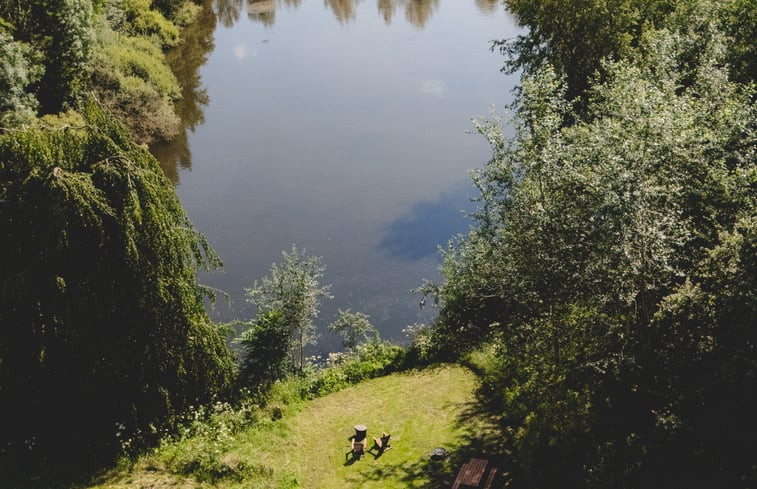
62, 31
103, 322
140, 19
353, 327
294, 290
593, 240
577, 36
266, 356
17, 72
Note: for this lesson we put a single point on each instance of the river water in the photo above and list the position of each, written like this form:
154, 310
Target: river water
341, 126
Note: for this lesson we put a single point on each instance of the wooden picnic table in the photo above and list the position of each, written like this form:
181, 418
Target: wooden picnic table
470, 474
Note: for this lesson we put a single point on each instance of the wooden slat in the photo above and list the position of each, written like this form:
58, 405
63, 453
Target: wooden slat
490, 479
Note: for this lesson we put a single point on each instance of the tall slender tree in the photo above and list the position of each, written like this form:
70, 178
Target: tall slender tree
294, 290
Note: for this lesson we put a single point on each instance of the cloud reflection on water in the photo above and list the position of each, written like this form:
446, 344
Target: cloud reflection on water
426, 225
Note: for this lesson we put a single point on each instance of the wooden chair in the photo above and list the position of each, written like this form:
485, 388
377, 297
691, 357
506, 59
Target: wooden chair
358, 449
382, 444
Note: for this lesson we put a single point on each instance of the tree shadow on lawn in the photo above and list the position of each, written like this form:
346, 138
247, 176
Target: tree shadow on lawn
482, 438
58, 477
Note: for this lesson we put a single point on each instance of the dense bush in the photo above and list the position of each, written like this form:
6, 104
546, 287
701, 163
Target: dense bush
132, 80
103, 325
577, 36
265, 355
53, 54
612, 266
203, 434
372, 359
18, 72
141, 20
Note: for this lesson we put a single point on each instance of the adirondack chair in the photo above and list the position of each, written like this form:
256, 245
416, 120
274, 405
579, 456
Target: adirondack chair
381, 444
357, 449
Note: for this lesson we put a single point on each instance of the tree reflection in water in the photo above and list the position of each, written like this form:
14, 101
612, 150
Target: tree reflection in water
185, 62
228, 11
263, 11
488, 6
344, 10
417, 12
193, 52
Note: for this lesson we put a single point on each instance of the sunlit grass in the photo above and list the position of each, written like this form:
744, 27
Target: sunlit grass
307, 447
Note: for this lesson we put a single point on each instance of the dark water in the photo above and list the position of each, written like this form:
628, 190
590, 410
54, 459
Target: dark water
340, 126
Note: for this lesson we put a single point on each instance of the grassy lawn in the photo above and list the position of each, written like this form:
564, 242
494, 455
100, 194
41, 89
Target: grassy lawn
307, 447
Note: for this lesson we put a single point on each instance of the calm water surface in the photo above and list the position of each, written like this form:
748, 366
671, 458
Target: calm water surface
340, 126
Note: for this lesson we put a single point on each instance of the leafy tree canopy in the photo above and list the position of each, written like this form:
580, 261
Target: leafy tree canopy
103, 325
612, 265
577, 36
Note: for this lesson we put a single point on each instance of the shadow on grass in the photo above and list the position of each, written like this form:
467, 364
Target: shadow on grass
46, 478
483, 438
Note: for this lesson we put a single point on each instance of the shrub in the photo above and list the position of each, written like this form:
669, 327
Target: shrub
370, 360
132, 80
266, 351
17, 72
141, 20
203, 437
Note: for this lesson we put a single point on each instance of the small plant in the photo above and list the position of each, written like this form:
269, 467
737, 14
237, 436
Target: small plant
353, 327
421, 343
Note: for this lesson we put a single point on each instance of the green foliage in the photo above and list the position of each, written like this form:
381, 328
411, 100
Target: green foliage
131, 79
609, 269
186, 15
135, 58
423, 348
576, 37
368, 360
739, 20
61, 30
294, 290
63, 120
170, 8
353, 327
102, 318
266, 349
141, 20
60, 51
18, 70
204, 434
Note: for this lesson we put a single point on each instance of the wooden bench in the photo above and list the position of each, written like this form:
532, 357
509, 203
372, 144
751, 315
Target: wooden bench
470, 474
